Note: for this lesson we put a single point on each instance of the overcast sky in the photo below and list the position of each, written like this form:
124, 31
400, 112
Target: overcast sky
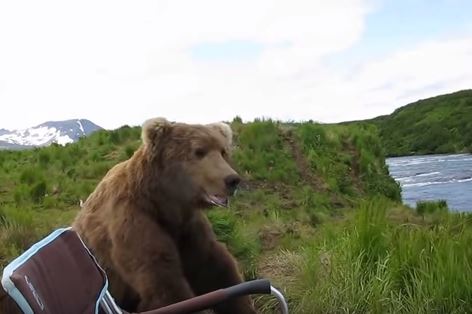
121, 62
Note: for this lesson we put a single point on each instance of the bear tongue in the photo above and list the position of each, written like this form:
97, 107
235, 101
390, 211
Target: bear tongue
218, 200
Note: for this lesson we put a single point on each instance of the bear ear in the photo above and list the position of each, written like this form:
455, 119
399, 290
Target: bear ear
153, 129
223, 129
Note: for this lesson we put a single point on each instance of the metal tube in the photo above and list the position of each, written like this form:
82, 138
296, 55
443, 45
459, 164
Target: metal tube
112, 303
114, 308
191, 305
279, 296
105, 307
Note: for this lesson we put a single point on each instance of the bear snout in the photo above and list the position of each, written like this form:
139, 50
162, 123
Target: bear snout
232, 181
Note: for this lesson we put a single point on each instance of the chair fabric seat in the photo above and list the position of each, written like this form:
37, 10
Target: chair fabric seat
56, 275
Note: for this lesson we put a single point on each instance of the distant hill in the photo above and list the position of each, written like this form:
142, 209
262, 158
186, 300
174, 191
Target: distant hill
60, 132
437, 125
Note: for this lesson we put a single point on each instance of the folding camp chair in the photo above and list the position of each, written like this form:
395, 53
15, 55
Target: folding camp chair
60, 275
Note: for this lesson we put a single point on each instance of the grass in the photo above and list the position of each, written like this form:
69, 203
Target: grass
261, 154
423, 207
369, 264
318, 214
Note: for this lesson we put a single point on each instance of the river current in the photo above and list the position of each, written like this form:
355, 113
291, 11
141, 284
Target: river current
434, 177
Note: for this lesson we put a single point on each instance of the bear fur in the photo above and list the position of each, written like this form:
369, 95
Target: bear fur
145, 222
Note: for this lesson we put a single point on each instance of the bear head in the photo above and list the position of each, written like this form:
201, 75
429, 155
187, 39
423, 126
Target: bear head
192, 161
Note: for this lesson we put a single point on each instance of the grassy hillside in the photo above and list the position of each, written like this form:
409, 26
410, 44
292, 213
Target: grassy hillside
318, 214
441, 124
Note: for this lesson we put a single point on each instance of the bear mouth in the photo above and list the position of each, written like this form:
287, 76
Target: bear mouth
221, 201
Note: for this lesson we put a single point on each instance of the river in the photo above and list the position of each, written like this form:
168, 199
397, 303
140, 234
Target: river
434, 177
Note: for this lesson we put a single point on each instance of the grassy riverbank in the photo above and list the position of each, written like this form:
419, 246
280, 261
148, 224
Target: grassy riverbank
318, 214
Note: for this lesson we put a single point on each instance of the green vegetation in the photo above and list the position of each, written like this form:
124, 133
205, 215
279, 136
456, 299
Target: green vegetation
423, 207
375, 263
40, 189
318, 214
437, 125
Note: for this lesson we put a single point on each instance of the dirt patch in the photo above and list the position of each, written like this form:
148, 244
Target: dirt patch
264, 185
303, 165
355, 172
317, 183
281, 267
270, 236
307, 175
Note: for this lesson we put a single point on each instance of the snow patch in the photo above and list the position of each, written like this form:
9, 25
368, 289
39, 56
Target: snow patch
36, 136
60, 132
81, 126
63, 140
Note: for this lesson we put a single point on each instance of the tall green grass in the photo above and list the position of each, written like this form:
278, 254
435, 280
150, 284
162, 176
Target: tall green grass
350, 158
242, 244
371, 265
16, 232
429, 207
260, 153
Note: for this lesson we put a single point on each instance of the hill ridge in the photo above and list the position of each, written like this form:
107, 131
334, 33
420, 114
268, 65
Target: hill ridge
434, 125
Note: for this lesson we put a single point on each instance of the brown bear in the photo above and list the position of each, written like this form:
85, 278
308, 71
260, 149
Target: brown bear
145, 222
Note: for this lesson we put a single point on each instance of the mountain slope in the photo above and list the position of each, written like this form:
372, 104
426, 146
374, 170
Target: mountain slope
60, 132
441, 124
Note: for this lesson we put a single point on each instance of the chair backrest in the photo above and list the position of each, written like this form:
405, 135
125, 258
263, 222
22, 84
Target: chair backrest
56, 275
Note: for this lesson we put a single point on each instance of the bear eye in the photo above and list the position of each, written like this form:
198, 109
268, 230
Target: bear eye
200, 152
223, 153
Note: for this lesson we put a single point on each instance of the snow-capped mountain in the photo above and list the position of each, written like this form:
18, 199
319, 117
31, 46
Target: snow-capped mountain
60, 132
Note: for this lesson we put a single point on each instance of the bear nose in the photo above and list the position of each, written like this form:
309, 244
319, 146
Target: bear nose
232, 181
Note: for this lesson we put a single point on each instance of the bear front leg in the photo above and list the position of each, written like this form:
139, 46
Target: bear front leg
147, 259
209, 266
222, 272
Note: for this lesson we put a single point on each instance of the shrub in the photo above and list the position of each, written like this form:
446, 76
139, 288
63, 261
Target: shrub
261, 153
30, 175
428, 207
237, 120
129, 151
44, 158
38, 191
50, 202
312, 136
21, 194
114, 137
